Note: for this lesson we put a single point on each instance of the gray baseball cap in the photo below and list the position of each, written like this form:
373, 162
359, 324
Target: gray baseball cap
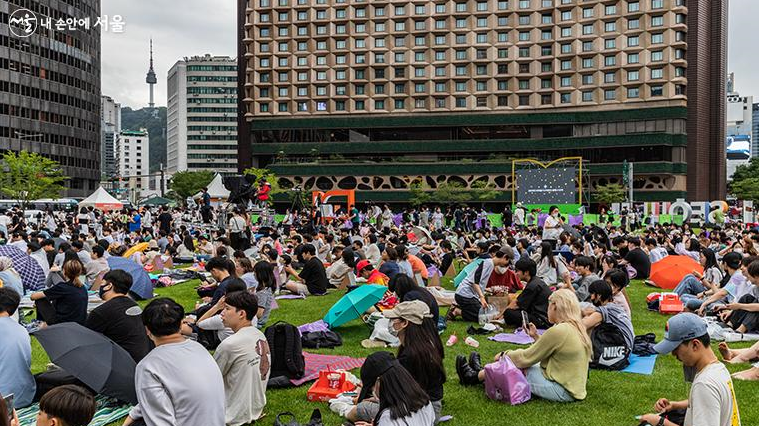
680, 328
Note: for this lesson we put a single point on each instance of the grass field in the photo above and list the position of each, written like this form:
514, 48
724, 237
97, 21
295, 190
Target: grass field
613, 398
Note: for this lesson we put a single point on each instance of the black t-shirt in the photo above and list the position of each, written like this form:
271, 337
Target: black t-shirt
164, 219
639, 260
425, 296
119, 320
315, 276
534, 301
70, 302
445, 262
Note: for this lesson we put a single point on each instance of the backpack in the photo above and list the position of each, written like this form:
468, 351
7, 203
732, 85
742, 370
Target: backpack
610, 351
321, 339
286, 351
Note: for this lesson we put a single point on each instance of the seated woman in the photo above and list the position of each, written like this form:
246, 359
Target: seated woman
557, 363
267, 283
246, 272
9, 277
742, 314
402, 402
365, 406
552, 269
740, 356
186, 250
65, 301
389, 264
340, 273
695, 283
619, 280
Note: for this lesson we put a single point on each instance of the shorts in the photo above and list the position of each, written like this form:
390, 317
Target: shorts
470, 307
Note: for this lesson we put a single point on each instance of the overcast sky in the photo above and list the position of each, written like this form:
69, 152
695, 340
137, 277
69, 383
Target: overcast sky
196, 27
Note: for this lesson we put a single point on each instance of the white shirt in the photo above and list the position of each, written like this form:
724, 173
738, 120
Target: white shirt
422, 417
657, 253
712, 399
245, 364
551, 228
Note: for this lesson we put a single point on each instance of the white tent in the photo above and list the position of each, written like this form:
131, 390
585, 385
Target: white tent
216, 190
102, 200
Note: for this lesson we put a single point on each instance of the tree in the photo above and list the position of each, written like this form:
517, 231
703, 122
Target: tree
610, 193
270, 177
484, 191
746, 171
186, 184
746, 189
29, 176
420, 194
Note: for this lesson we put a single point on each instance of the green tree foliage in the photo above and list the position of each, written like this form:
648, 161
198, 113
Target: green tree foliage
747, 171
484, 191
610, 193
185, 184
447, 193
29, 176
155, 123
270, 176
746, 189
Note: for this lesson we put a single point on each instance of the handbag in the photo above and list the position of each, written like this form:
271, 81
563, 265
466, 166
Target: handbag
506, 383
288, 419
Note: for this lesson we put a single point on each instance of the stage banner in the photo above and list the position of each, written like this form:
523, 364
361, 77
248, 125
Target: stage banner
547, 186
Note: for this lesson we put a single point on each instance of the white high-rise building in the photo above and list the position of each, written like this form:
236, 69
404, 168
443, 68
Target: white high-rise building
201, 117
133, 158
739, 127
110, 117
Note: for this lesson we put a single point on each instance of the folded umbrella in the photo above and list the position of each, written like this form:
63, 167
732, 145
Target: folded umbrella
142, 286
92, 358
668, 272
354, 304
32, 275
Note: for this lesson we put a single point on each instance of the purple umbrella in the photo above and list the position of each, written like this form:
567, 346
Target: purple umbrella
32, 275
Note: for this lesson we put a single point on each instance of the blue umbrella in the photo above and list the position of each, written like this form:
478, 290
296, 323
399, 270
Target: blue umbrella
354, 304
32, 275
141, 284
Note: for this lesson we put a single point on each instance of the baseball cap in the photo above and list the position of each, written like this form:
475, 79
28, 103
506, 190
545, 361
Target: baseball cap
680, 328
507, 251
414, 311
361, 265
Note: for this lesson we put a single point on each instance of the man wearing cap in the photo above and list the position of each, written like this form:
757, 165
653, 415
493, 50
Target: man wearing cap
712, 400
367, 273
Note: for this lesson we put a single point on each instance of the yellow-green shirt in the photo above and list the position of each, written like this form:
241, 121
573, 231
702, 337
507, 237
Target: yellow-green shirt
562, 357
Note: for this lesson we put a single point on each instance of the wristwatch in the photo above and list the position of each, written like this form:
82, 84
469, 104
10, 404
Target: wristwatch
661, 421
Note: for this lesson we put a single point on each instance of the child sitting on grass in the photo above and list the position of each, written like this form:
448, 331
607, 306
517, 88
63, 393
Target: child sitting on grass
67, 405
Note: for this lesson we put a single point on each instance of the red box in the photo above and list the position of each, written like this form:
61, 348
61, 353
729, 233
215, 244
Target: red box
321, 389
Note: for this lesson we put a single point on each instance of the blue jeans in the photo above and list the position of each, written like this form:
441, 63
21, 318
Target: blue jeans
546, 389
689, 285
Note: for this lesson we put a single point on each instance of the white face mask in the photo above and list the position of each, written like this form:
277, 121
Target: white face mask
501, 270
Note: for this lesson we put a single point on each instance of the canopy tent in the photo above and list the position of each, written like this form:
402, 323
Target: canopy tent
102, 200
157, 201
216, 190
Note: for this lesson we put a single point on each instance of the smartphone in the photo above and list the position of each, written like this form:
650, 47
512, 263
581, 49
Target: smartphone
9, 406
525, 321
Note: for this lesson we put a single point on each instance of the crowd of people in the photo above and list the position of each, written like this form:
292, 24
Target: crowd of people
561, 282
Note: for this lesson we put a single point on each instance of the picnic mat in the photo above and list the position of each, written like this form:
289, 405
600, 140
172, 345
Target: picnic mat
317, 362
290, 296
641, 364
518, 337
109, 410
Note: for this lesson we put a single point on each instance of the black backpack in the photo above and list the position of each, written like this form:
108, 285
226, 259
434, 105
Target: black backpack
610, 351
321, 339
286, 351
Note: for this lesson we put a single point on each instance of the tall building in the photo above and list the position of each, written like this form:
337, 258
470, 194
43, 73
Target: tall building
110, 124
755, 131
150, 78
133, 157
376, 95
50, 87
201, 117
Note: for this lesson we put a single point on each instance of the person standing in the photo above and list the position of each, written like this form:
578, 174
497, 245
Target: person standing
244, 360
712, 400
178, 382
553, 226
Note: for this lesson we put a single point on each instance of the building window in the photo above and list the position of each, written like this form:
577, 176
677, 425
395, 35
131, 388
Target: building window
633, 75
524, 100
633, 92
587, 96
633, 24
587, 79
657, 73
657, 4
282, 106
610, 77
566, 98
657, 90
461, 102
633, 41
657, 56
610, 95
633, 6
657, 38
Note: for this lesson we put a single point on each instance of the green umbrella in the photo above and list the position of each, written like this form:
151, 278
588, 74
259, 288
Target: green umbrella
467, 269
157, 201
354, 304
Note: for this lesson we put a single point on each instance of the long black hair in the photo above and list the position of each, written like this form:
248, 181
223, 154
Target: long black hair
401, 284
422, 352
399, 393
546, 250
264, 272
711, 258
349, 257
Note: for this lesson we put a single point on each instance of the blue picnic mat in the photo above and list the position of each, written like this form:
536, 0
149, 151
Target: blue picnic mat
641, 364
109, 410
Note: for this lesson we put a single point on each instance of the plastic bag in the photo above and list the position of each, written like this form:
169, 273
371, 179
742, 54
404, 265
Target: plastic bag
487, 314
506, 383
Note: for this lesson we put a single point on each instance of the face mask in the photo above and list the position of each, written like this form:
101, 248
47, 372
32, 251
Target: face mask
102, 291
501, 269
390, 329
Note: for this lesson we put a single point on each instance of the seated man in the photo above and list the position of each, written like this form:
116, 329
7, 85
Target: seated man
735, 288
97, 267
637, 258
178, 382
312, 279
584, 266
119, 317
66, 405
369, 275
244, 360
15, 353
533, 300
605, 311
743, 315
711, 401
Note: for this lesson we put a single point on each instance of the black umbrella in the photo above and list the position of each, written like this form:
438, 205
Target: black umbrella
92, 358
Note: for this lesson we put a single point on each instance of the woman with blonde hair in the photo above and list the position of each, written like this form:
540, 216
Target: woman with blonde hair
556, 365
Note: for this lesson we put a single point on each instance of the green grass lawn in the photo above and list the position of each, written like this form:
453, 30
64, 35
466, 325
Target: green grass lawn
613, 397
